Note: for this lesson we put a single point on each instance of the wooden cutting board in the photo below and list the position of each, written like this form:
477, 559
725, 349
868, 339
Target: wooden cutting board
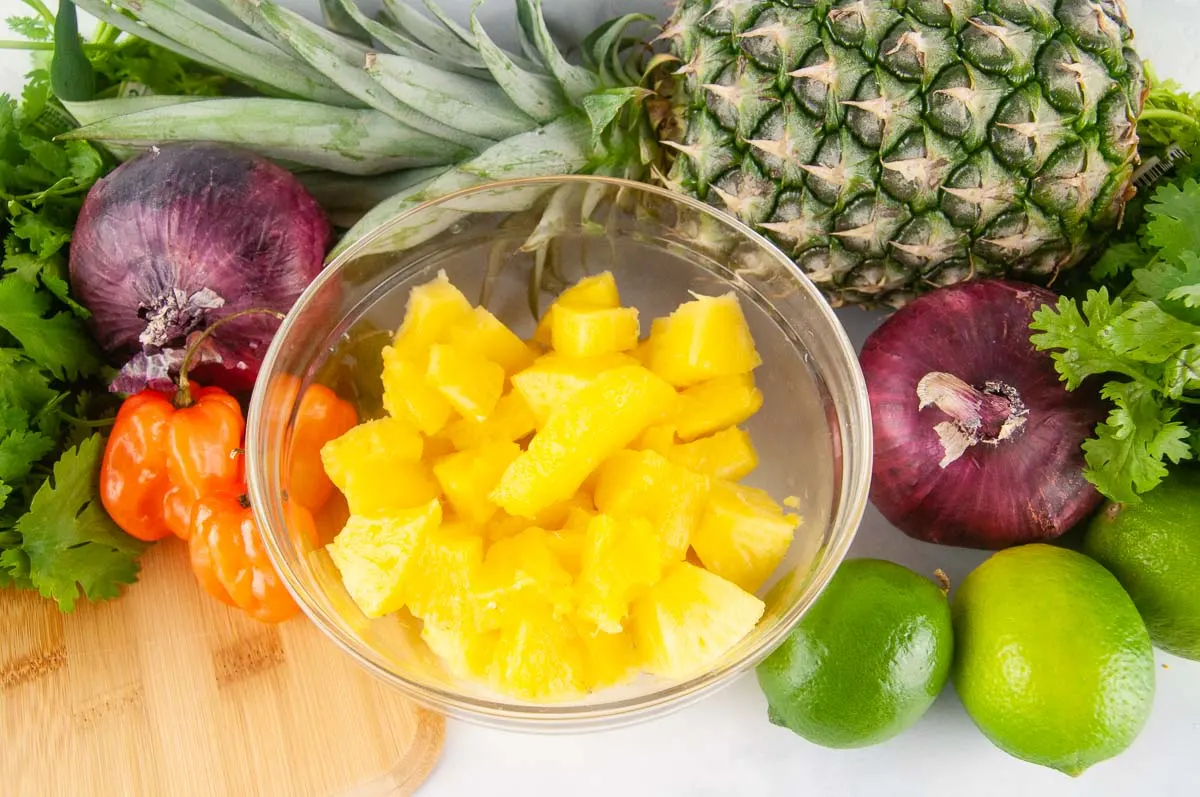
168, 692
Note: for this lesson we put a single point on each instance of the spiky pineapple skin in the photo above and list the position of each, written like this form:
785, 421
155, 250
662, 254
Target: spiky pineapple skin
894, 146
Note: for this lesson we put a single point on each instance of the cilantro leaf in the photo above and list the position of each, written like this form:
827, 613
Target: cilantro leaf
50, 272
1127, 455
32, 28
1174, 225
70, 542
1147, 334
1119, 258
1182, 373
57, 342
1077, 336
19, 450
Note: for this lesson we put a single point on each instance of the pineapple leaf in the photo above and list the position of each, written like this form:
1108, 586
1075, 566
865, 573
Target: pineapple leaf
335, 56
576, 82
400, 44
434, 36
474, 106
338, 20
248, 14
450, 25
233, 50
609, 45
603, 107
321, 136
536, 95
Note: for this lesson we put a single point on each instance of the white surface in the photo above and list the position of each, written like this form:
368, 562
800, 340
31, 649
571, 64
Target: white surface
724, 746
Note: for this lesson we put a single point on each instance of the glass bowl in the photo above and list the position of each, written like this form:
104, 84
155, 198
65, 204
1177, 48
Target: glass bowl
813, 433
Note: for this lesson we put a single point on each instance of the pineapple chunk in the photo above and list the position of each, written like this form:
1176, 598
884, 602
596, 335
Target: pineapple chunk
540, 657
596, 292
467, 477
447, 567
464, 650
521, 573
553, 379
510, 420
660, 438
567, 545
610, 658
620, 560
719, 403
471, 383
728, 454
743, 535
374, 490
579, 332
380, 442
407, 395
645, 484
591, 426
703, 339
487, 335
690, 619
375, 555
434, 309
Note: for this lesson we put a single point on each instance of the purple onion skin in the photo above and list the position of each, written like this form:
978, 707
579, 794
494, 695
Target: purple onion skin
1025, 488
181, 236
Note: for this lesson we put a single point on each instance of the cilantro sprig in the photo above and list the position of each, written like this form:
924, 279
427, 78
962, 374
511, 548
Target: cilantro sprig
1146, 340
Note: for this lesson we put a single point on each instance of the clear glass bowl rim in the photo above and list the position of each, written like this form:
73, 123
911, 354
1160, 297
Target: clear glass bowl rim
844, 522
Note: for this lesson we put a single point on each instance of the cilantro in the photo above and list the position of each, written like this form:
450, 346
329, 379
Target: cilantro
68, 542
1147, 340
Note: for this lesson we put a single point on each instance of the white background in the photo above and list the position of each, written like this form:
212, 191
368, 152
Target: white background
724, 746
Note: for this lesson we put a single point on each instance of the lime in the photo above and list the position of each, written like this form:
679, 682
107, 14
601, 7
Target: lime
866, 661
1052, 661
1153, 548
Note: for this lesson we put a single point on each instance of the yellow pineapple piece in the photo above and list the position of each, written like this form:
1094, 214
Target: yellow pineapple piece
441, 584
371, 489
503, 525
471, 383
440, 444
610, 658
589, 427
703, 339
434, 309
380, 442
567, 546
743, 535
620, 560
554, 378
539, 657
716, 404
465, 651
375, 555
511, 420
468, 477
487, 335
578, 518
728, 454
407, 395
660, 438
585, 332
597, 292
646, 484
689, 620
521, 573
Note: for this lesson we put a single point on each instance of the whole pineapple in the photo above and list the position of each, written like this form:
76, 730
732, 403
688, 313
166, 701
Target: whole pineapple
889, 146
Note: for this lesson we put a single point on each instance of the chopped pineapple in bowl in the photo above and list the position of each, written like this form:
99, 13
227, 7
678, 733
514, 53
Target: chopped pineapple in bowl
612, 446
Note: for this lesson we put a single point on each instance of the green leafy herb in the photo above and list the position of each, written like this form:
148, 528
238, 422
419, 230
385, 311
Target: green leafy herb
1146, 340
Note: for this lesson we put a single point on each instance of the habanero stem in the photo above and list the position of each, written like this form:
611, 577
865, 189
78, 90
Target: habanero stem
183, 393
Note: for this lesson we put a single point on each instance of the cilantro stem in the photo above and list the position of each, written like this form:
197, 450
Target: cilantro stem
16, 44
99, 423
1174, 116
41, 9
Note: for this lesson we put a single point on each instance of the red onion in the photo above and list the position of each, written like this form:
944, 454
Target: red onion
977, 442
181, 236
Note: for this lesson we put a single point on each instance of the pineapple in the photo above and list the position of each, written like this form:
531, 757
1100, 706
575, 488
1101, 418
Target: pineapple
444, 573
689, 619
407, 394
889, 146
467, 380
554, 378
380, 442
510, 421
704, 339
434, 310
620, 559
521, 574
592, 333
716, 404
486, 334
539, 658
743, 535
597, 292
375, 555
467, 477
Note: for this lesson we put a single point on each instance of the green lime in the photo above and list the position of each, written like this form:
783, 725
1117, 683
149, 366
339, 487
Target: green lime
867, 659
1153, 548
1052, 661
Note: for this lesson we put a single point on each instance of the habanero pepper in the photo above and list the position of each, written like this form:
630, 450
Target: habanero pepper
229, 559
133, 473
204, 454
321, 417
